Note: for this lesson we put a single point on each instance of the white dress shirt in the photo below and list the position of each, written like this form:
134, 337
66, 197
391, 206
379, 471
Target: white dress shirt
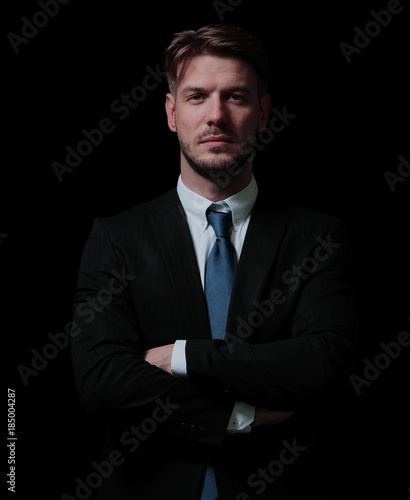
203, 237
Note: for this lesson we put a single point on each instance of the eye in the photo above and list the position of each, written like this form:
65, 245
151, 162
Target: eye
236, 97
196, 97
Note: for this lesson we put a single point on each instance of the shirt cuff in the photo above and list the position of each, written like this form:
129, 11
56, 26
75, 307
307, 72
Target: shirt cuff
241, 418
178, 359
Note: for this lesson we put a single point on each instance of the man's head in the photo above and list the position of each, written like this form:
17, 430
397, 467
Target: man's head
217, 101
217, 39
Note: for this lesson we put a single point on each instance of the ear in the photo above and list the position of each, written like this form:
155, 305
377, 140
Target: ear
170, 109
265, 108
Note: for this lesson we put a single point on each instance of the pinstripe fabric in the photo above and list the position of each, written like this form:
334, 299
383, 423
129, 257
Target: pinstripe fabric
290, 345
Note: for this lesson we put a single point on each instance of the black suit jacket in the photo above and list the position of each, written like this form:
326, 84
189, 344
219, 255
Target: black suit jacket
290, 345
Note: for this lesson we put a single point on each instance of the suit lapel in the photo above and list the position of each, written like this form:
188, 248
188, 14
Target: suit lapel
265, 232
172, 232
266, 229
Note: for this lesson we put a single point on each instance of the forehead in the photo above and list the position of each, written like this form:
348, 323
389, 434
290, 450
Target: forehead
216, 71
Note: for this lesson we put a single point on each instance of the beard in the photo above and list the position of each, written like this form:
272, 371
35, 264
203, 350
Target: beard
212, 168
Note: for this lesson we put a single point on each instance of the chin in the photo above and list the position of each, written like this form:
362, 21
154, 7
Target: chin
218, 158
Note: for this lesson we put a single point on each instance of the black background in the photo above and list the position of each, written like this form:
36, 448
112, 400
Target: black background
350, 128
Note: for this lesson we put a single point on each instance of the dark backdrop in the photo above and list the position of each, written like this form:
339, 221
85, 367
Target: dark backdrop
351, 127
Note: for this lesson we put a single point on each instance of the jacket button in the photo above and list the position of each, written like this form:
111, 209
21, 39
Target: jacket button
184, 427
194, 429
203, 432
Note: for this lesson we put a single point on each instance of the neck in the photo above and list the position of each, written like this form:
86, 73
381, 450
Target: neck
220, 188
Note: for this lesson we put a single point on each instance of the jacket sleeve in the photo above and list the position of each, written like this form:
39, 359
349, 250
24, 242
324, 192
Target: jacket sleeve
111, 377
310, 362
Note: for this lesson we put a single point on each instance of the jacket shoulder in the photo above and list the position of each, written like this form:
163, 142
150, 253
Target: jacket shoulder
141, 212
297, 213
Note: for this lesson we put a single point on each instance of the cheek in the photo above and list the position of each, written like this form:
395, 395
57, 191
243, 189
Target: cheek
186, 124
248, 124
182, 128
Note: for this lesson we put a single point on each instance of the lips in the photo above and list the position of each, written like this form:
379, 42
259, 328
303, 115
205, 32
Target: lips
216, 140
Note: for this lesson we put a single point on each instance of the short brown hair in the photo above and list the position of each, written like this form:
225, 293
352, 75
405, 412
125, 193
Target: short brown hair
219, 39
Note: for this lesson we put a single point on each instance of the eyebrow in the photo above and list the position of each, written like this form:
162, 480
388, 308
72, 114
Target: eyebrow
235, 88
187, 90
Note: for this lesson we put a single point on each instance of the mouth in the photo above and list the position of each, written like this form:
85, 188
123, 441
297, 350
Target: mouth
217, 141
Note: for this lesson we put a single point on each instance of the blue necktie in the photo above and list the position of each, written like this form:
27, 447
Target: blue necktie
220, 273
219, 276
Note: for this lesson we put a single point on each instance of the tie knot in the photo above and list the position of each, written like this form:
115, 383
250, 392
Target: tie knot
221, 222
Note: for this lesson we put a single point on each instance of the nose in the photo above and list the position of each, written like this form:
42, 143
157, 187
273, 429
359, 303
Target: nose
216, 112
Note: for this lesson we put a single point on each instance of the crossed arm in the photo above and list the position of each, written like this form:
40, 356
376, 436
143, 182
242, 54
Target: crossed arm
162, 357
115, 374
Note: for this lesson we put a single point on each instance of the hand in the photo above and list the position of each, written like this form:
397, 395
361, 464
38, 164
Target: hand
160, 357
269, 417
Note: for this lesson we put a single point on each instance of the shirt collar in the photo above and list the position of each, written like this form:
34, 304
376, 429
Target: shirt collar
240, 204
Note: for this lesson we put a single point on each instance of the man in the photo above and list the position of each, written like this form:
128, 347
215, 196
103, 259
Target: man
210, 389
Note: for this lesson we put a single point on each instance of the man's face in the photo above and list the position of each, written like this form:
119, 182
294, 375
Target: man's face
216, 112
